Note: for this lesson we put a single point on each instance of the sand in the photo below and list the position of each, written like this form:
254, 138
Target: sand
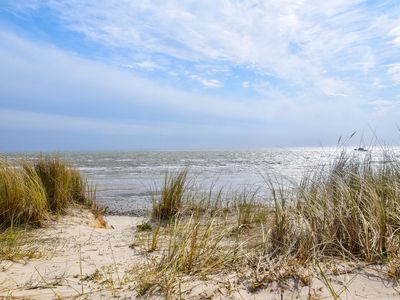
81, 261
73, 249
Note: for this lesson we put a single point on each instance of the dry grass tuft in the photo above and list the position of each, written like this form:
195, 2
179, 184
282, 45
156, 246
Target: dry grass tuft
63, 184
350, 209
29, 191
100, 221
172, 193
22, 196
16, 245
189, 247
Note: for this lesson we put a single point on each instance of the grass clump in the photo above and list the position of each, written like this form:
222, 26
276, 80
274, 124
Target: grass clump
172, 195
22, 196
62, 183
244, 204
144, 227
29, 191
349, 209
190, 247
16, 244
196, 247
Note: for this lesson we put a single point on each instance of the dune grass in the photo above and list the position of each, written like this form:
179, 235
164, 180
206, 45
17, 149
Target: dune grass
171, 199
348, 210
184, 247
62, 183
22, 196
17, 244
30, 191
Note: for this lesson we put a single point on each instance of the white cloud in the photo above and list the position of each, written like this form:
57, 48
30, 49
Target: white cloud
25, 120
74, 80
385, 107
81, 85
394, 72
333, 87
209, 83
246, 84
171, 73
299, 41
147, 65
381, 102
395, 33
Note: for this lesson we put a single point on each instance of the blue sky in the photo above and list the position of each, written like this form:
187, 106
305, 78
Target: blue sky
135, 74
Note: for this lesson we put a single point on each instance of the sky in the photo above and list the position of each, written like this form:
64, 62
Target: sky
140, 74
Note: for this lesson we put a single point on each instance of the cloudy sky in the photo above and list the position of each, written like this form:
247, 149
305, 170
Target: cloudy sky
137, 74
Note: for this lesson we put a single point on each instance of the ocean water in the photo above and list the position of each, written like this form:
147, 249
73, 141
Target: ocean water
125, 181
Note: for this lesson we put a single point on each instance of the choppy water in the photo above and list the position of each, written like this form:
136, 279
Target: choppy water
125, 180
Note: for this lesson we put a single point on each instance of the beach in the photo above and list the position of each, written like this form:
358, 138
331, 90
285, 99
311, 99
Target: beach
78, 260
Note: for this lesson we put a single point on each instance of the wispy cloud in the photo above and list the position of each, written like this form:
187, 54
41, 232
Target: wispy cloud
26, 120
147, 65
385, 107
394, 72
297, 41
210, 83
74, 84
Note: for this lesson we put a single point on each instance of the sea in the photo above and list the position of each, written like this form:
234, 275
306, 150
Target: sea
127, 182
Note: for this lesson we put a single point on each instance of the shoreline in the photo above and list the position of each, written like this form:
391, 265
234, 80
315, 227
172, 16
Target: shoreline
130, 213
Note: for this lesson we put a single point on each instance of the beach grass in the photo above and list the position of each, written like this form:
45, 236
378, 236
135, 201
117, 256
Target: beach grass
349, 209
17, 244
22, 195
63, 184
31, 190
30, 193
171, 198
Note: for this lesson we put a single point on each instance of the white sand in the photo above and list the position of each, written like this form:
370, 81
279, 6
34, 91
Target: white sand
73, 248
69, 245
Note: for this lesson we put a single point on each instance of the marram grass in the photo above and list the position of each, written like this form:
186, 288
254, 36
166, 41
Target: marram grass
29, 191
22, 195
350, 208
62, 183
171, 198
